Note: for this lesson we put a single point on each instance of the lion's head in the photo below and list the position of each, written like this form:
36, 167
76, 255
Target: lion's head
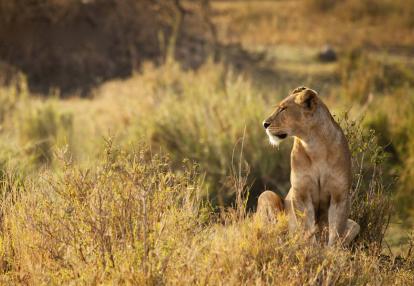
293, 116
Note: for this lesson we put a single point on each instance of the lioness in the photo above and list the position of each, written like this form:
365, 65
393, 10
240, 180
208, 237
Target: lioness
320, 167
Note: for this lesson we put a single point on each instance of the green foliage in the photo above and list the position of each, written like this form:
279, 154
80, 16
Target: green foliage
393, 121
362, 75
138, 215
43, 128
370, 194
404, 133
213, 119
208, 117
10, 97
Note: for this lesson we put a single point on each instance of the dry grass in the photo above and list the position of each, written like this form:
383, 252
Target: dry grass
131, 220
122, 212
316, 22
169, 197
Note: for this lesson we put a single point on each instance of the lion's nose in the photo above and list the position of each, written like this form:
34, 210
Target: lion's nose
266, 124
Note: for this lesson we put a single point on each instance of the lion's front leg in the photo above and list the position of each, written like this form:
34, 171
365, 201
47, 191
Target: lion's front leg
301, 213
310, 219
337, 217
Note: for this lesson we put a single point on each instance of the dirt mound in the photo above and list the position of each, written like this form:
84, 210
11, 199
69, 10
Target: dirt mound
74, 45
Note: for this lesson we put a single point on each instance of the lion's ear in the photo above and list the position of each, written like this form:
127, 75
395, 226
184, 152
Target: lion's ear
298, 89
307, 98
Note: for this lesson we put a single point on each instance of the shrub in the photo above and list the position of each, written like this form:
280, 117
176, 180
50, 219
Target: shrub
404, 133
391, 117
11, 95
41, 129
131, 220
208, 117
362, 75
370, 194
107, 222
381, 124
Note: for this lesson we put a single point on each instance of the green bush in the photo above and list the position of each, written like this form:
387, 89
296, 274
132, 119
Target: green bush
404, 134
371, 203
43, 128
10, 96
391, 117
214, 119
362, 75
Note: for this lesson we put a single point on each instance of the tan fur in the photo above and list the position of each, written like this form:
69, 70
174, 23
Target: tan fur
269, 205
320, 166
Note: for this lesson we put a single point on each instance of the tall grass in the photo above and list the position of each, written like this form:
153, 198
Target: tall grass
87, 225
383, 89
209, 116
204, 117
146, 213
396, 13
43, 128
363, 75
370, 194
10, 96
131, 220
394, 121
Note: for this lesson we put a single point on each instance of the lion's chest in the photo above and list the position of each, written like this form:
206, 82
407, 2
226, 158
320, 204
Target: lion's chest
319, 180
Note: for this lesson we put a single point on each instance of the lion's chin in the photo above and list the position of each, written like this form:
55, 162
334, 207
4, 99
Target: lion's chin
274, 140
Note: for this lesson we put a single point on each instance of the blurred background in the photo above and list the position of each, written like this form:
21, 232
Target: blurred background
196, 78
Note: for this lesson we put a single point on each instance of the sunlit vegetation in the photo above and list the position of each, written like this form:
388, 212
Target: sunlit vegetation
153, 179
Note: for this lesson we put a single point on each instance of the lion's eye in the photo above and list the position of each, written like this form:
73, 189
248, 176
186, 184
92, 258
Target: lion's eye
283, 109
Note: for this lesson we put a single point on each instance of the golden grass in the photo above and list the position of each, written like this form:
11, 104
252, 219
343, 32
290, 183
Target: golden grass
130, 221
148, 182
116, 211
374, 23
